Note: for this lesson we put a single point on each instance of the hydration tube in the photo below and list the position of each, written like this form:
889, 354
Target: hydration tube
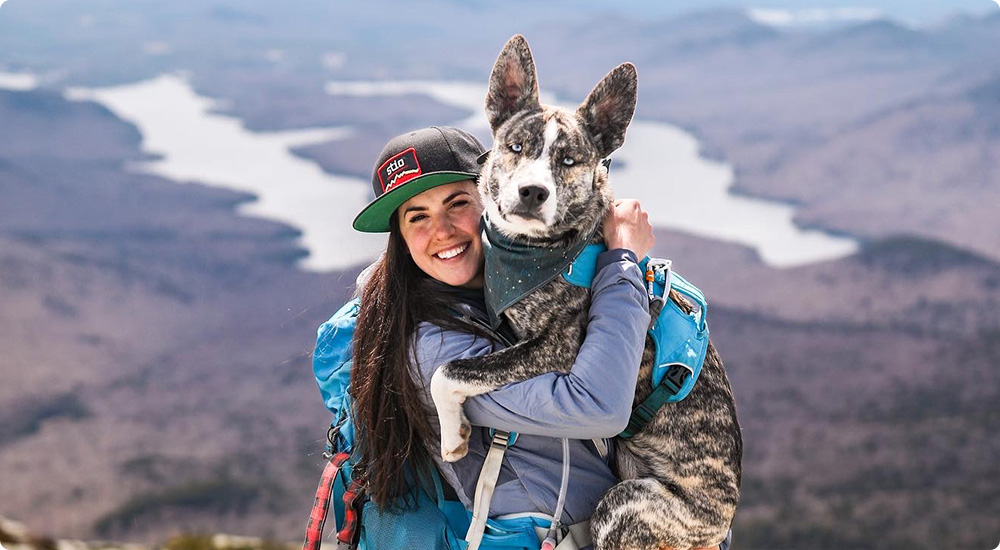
550, 538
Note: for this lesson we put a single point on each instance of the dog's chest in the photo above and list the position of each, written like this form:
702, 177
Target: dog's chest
556, 306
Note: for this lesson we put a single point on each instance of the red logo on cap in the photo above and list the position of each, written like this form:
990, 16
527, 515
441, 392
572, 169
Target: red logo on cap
399, 169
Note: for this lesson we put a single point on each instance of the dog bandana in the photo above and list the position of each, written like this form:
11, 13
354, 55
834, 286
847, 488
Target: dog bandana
514, 270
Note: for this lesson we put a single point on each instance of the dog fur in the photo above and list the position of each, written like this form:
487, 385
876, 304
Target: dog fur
680, 475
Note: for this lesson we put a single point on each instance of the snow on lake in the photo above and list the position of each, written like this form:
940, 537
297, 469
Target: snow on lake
663, 169
660, 165
200, 146
19, 82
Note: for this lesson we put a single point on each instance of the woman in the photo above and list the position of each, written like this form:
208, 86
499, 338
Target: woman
422, 305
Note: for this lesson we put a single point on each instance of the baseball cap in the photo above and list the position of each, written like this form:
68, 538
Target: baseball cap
414, 162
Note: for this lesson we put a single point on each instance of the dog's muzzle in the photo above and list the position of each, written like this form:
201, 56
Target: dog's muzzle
531, 198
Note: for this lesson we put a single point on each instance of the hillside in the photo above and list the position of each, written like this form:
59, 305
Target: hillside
156, 344
153, 343
864, 388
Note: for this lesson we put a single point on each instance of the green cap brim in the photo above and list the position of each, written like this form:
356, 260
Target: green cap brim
375, 217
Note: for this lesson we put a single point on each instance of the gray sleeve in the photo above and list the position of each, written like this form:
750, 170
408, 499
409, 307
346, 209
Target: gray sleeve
595, 398
729, 540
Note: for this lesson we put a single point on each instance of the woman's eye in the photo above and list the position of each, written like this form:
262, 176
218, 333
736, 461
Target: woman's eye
417, 218
516, 147
568, 161
459, 204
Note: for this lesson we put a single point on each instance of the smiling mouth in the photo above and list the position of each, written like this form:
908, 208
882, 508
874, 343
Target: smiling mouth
452, 252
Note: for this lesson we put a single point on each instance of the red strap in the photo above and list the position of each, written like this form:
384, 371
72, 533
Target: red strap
321, 506
346, 534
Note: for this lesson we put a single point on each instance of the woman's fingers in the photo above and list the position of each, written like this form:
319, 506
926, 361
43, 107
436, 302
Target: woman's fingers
627, 226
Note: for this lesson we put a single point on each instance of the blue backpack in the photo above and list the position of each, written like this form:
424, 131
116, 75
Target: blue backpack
428, 519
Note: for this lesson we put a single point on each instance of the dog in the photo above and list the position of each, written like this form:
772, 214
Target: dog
543, 185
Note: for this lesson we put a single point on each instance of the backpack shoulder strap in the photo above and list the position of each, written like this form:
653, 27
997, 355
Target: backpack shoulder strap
485, 486
584, 268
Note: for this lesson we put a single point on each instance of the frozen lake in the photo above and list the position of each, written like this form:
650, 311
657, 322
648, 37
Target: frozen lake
661, 166
204, 147
17, 81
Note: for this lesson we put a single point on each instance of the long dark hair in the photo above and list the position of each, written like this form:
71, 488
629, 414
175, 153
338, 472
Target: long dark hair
389, 410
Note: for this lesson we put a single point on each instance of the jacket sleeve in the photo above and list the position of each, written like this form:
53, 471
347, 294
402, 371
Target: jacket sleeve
595, 398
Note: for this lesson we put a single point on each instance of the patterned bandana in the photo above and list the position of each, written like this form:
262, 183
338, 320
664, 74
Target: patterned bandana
514, 270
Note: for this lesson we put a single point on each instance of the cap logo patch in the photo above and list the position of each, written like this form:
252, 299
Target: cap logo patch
399, 169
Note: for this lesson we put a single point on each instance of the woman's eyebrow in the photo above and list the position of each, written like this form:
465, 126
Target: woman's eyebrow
453, 195
447, 199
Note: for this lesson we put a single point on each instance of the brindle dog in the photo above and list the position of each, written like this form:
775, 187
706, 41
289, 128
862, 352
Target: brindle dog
544, 185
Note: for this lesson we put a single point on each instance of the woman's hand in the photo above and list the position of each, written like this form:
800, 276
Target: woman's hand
626, 225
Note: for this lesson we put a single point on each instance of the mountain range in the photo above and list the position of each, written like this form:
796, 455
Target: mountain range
156, 343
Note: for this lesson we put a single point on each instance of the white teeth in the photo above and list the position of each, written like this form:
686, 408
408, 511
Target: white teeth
452, 252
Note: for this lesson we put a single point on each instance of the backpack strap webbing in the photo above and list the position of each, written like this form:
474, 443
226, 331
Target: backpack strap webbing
321, 506
347, 538
484, 488
668, 387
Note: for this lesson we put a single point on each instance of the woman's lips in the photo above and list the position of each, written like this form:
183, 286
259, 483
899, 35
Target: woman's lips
453, 252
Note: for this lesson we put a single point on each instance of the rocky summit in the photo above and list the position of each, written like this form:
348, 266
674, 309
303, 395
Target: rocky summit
15, 535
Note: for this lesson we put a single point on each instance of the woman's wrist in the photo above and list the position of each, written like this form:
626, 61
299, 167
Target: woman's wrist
615, 255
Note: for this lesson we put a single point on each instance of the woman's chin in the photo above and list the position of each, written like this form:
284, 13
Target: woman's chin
459, 280
459, 271
468, 278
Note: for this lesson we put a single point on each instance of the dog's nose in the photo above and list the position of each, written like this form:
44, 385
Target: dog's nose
532, 196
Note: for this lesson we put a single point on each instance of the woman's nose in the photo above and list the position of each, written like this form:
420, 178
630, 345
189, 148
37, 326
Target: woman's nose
443, 227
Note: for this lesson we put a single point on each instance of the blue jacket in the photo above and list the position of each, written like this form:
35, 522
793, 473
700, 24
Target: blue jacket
592, 401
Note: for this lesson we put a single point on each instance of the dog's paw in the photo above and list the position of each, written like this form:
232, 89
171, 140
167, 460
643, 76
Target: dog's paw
455, 455
455, 443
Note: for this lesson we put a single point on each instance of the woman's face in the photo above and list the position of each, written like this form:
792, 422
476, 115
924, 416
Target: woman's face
441, 230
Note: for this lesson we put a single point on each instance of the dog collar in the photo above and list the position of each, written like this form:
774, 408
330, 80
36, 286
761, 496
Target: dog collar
515, 269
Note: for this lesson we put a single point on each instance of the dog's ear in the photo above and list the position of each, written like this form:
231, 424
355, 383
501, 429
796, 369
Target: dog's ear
608, 109
513, 84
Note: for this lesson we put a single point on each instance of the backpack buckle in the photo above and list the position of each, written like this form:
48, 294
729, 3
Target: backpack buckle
331, 436
654, 266
678, 374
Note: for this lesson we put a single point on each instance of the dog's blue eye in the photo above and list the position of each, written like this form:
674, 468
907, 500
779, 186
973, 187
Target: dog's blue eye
568, 161
516, 147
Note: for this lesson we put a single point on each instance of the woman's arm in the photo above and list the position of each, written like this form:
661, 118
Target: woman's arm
595, 398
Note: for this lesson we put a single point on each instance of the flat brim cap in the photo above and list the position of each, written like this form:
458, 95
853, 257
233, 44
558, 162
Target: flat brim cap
414, 162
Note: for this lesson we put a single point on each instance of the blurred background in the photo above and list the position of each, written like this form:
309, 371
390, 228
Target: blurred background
177, 182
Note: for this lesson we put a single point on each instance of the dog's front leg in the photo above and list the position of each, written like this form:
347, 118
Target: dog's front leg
449, 394
452, 383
